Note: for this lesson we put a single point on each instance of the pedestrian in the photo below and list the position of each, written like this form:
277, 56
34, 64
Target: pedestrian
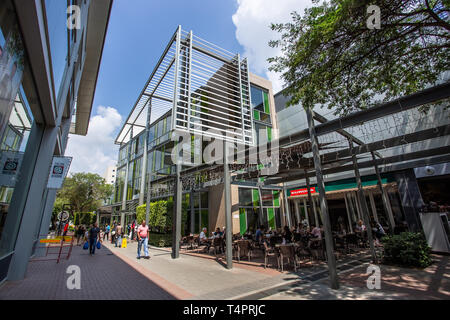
133, 230
94, 236
142, 235
118, 234
80, 234
106, 235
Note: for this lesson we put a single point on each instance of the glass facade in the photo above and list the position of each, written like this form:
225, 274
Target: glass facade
250, 216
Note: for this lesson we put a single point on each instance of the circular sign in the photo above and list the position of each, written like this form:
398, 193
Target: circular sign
63, 215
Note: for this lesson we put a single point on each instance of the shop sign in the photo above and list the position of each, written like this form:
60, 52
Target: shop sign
10, 162
58, 172
302, 191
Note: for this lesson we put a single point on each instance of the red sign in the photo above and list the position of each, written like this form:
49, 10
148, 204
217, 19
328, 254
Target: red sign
300, 192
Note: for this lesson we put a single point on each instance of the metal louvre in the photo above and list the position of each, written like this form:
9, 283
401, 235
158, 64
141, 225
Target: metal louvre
206, 87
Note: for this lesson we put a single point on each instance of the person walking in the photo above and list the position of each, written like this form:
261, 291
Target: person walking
142, 236
106, 235
80, 234
94, 236
118, 234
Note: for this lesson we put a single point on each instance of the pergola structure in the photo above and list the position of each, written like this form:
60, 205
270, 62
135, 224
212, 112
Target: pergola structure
206, 89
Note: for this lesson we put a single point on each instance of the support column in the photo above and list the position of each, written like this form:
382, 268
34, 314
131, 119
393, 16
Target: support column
329, 243
316, 217
363, 203
149, 197
297, 211
373, 206
191, 204
227, 199
312, 204
384, 197
348, 214
306, 212
357, 205
124, 196
30, 220
177, 199
286, 207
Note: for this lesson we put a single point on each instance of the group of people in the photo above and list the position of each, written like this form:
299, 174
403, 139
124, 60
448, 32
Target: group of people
94, 234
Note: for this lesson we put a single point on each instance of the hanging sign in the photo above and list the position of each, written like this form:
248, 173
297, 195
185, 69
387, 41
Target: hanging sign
302, 191
58, 172
10, 162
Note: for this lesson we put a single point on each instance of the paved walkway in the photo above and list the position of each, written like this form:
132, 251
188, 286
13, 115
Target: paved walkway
115, 273
432, 283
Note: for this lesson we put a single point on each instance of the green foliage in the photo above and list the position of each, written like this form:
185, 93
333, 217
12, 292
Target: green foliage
329, 56
84, 191
408, 249
160, 215
86, 218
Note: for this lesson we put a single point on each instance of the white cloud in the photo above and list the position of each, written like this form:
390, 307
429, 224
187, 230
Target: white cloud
252, 20
96, 151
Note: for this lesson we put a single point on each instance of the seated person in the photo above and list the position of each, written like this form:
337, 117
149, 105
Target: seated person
259, 234
316, 232
218, 233
360, 226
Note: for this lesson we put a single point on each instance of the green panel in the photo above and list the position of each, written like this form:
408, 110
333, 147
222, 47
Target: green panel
350, 183
242, 221
276, 198
205, 220
271, 218
266, 103
269, 134
256, 114
255, 195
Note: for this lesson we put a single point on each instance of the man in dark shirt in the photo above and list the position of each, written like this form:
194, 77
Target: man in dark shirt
94, 236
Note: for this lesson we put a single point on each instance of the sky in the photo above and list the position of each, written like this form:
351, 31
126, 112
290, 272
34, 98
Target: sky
138, 32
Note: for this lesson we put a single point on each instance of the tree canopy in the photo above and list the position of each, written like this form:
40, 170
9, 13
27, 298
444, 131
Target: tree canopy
84, 191
330, 56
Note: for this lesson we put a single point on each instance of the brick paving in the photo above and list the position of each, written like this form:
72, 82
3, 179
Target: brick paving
115, 273
432, 283
103, 277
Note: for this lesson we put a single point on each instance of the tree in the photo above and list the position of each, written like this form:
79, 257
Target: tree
84, 191
331, 57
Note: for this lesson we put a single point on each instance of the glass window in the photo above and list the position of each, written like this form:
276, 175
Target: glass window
267, 198
204, 200
257, 98
57, 31
245, 197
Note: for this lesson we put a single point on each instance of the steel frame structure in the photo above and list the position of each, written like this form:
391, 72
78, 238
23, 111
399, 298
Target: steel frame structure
206, 88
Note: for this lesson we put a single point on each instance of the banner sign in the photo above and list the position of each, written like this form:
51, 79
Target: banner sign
58, 172
301, 192
10, 162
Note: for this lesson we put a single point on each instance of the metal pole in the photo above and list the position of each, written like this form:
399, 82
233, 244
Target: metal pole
191, 203
227, 198
331, 260
297, 211
363, 203
349, 217
149, 196
177, 199
312, 205
306, 212
373, 206
286, 207
384, 197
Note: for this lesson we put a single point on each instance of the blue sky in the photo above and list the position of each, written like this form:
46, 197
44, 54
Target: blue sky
138, 32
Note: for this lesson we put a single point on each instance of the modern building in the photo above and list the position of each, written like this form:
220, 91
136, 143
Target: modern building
209, 82
49, 63
411, 146
110, 175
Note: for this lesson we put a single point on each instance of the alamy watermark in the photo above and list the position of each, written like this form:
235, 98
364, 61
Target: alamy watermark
74, 18
374, 20
374, 280
266, 154
74, 280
